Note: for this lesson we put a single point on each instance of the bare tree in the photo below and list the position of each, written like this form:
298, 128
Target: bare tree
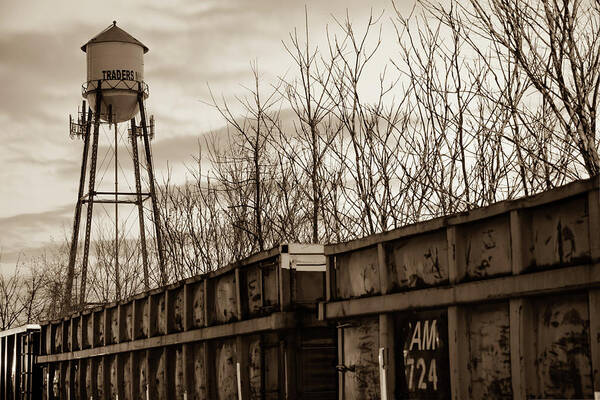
307, 96
242, 168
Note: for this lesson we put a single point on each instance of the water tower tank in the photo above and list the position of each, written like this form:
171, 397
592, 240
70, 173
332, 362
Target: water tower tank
116, 59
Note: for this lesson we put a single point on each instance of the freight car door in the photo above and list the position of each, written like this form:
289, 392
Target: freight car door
422, 353
317, 360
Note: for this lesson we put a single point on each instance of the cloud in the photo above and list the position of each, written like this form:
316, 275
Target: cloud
31, 230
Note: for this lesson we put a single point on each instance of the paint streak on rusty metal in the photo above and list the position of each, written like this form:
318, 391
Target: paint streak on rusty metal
128, 321
361, 344
489, 342
127, 378
112, 370
486, 249
226, 370
225, 301
198, 305
145, 325
199, 386
58, 337
255, 367
161, 315
179, 388
562, 348
253, 291
270, 288
158, 368
178, 310
99, 367
114, 325
143, 381
558, 234
356, 274
270, 347
418, 261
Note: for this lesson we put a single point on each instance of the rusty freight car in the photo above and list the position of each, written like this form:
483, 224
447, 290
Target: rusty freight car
246, 331
20, 376
501, 302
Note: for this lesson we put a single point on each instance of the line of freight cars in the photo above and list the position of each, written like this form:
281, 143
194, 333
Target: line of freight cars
248, 330
501, 302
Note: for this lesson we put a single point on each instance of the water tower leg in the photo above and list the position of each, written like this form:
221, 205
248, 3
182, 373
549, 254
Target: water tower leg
156, 216
138, 190
91, 194
77, 218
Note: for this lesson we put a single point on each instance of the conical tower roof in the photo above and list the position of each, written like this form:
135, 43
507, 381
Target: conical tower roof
114, 34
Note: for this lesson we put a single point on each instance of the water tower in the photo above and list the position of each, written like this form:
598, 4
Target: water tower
115, 92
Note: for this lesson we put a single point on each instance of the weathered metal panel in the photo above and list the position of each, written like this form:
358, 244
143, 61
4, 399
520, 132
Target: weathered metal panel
559, 359
557, 233
422, 364
141, 318
45, 382
87, 333
489, 351
143, 381
98, 328
158, 314
112, 333
200, 391
270, 286
418, 261
253, 293
356, 274
360, 363
225, 370
178, 370
483, 248
273, 377
255, 367
198, 304
57, 340
89, 378
113, 374
66, 334
128, 371
157, 374
99, 378
175, 313
76, 334
225, 299
127, 321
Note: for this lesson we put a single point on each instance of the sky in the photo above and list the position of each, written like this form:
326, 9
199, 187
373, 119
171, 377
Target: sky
194, 45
